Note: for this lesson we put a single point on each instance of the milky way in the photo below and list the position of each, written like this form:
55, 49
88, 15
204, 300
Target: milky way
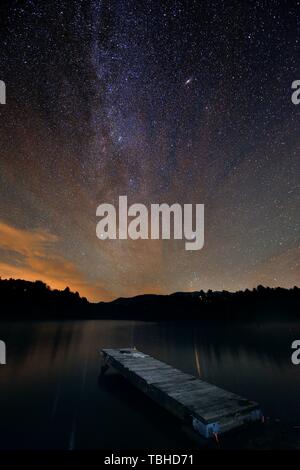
171, 101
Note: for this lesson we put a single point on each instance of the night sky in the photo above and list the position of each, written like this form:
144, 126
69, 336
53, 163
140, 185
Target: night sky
162, 101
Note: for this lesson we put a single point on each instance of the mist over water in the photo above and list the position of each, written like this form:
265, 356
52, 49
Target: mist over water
51, 394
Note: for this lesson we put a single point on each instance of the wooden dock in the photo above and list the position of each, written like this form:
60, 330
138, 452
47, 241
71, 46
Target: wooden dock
206, 408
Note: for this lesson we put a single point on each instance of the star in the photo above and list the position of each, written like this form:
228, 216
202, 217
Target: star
188, 81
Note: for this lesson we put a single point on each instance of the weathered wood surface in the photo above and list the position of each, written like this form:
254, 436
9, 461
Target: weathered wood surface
207, 408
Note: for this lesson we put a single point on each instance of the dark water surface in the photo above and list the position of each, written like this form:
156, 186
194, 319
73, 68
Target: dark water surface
51, 395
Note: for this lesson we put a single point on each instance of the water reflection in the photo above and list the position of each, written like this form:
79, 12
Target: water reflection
51, 395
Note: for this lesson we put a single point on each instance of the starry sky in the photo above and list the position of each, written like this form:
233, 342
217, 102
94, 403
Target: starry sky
163, 101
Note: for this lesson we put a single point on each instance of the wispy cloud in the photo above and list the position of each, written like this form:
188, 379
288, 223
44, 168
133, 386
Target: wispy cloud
33, 256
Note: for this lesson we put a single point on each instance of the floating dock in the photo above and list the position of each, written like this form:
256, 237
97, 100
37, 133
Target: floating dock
208, 409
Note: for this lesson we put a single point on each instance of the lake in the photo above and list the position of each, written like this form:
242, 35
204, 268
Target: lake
52, 396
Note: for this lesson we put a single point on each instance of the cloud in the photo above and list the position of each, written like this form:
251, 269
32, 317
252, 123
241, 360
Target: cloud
33, 257
25, 242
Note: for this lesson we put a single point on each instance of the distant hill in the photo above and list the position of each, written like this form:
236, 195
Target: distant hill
21, 299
